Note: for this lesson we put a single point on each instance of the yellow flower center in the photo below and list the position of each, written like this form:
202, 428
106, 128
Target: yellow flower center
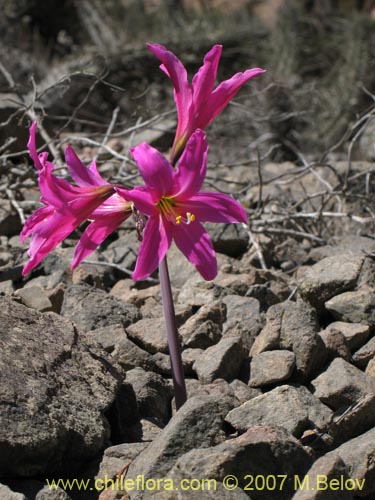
170, 211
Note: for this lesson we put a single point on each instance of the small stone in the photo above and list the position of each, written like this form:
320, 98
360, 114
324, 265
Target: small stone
91, 308
229, 239
52, 494
243, 318
354, 307
365, 353
198, 423
330, 276
355, 334
196, 292
299, 332
7, 494
153, 394
222, 360
34, 297
342, 384
150, 334
203, 329
269, 337
293, 408
115, 458
189, 357
335, 344
271, 367
370, 368
327, 468
243, 392
358, 456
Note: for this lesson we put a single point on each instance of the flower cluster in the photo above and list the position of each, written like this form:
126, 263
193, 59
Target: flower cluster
171, 198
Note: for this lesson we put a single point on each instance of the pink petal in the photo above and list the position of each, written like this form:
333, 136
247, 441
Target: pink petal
192, 166
155, 169
95, 234
214, 207
204, 79
224, 93
114, 203
195, 243
143, 199
155, 244
46, 237
82, 175
38, 217
176, 71
38, 159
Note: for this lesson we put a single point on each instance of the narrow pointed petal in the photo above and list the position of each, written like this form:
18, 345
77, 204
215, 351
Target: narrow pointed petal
82, 175
204, 79
176, 71
214, 207
155, 169
38, 160
156, 241
224, 93
45, 238
38, 217
95, 234
195, 243
192, 166
143, 199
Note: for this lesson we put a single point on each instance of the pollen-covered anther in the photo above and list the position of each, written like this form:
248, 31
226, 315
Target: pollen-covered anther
186, 220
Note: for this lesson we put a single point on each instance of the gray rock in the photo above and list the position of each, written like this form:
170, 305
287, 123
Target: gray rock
189, 357
365, 353
358, 456
261, 451
354, 307
335, 343
269, 337
196, 292
150, 334
299, 332
243, 392
153, 394
204, 329
355, 334
286, 406
34, 297
55, 394
243, 318
222, 360
230, 239
7, 494
115, 458
271, 367
330, 276
342, 384
198, 423
52, 494
219, 388
323, 480
91, 308
353, 421
202, 493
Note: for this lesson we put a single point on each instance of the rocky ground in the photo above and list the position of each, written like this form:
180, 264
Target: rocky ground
280, 368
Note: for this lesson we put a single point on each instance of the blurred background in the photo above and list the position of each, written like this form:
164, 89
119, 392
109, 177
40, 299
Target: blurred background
76, 61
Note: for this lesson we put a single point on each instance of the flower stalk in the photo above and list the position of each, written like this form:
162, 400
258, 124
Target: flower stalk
172, 335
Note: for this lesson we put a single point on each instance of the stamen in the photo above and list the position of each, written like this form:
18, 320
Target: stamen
178, 219
190, 217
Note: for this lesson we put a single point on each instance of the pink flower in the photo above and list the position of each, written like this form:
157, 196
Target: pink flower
65, 206
175, 207
198, 104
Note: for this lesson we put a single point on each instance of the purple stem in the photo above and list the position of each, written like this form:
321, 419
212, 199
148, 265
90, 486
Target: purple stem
172, 335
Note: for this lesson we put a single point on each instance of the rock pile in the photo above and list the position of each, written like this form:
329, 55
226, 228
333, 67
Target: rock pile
280, 376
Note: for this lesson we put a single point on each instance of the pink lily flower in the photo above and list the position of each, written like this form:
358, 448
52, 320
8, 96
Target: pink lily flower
65, 206
176, 207
198, 104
